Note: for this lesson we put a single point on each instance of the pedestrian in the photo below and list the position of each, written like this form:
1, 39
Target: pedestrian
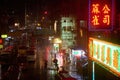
55, 61
45, 64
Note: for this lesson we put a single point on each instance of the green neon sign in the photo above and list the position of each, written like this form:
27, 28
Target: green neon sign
105, 53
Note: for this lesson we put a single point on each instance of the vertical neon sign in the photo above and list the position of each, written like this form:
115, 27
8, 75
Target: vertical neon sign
101, 14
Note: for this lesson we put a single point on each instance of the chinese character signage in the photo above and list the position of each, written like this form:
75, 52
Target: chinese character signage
101, 14
105, 54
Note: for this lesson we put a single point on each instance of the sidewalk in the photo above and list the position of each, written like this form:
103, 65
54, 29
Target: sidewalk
73, 72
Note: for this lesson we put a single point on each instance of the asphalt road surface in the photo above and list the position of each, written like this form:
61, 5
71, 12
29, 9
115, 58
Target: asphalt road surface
36, 71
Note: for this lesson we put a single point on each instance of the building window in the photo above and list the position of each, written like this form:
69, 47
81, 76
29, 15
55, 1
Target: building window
73, 31
71, 21
64, 20
73, 43
64, 28
69, 28
75, 38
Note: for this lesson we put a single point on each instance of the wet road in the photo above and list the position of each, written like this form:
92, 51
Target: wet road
35, 70
33, 73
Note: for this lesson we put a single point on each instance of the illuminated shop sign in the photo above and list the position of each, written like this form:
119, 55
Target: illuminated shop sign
1, 41
4, 36
78, 52
106, 54
101, 14
1, 46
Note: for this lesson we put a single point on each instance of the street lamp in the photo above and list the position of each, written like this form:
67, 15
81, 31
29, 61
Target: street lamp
56, 44
17, 25
57, 40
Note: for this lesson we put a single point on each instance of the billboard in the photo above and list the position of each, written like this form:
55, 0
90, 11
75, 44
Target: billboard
101, 15
106, 54
78, 52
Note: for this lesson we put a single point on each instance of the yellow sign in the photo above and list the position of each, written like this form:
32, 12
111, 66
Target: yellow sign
4, 36
1, 46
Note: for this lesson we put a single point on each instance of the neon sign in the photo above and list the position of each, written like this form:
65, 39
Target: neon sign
1, 46
100, 14
4, 36
1, 41
106, 54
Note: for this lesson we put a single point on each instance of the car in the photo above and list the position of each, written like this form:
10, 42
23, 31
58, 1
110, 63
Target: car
22, 50
8, 48
5, 52
31, 55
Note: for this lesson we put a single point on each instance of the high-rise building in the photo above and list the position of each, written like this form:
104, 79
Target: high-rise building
68, 32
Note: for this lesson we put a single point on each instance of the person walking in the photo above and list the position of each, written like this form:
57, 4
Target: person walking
55, 61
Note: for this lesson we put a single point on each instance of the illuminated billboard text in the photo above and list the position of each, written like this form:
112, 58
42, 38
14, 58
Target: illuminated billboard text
100, 14
105, 53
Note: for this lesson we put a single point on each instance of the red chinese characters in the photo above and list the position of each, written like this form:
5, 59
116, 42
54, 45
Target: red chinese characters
106, 16
100, 15
95, 11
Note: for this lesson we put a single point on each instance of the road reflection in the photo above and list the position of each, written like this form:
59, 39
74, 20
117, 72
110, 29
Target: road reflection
35, 70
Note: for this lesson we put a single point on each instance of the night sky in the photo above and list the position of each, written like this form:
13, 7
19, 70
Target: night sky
34, 5
19, 5
54, 7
